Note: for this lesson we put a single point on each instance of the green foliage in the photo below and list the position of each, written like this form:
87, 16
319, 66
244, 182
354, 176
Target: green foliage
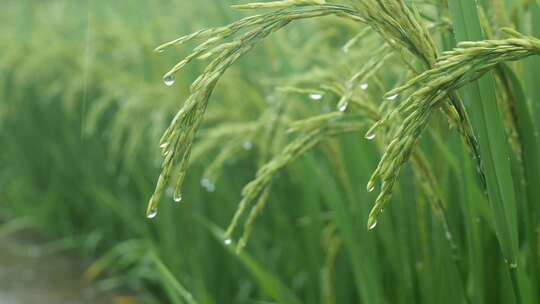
288, 111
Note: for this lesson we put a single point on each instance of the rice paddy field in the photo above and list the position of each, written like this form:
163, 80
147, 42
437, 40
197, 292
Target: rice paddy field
295, 151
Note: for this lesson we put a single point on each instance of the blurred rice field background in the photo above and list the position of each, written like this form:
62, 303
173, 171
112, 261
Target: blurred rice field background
83, 107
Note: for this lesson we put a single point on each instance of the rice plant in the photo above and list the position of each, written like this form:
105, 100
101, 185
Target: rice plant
359, 151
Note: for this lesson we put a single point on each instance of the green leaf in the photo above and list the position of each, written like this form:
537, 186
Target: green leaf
480, 100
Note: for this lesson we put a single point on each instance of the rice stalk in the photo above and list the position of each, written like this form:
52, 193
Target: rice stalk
453, 70
257, 189
178, 138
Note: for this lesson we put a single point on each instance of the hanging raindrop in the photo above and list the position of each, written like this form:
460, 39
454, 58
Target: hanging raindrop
370, 136
393, 97
169, 80
370, 186
343, 104
315, 96
227, 242
364, 86
152, 213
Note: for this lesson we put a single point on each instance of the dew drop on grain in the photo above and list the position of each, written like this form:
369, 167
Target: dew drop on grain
393, 97
152, 214
370, 186
342, 107
370, 136
169, 80
315, 96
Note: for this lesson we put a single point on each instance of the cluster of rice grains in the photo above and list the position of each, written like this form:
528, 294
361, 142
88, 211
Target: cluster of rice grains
404, 34
453, 70
225, 45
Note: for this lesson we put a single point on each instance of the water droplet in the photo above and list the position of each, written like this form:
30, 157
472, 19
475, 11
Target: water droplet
370, 136
343, 103
512, 265
169, 80
393, 97
364, 86
372, 225
247, 145
315, 96
208, 185
370, 186
227, 242
164, 145
177, 197
152, 213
